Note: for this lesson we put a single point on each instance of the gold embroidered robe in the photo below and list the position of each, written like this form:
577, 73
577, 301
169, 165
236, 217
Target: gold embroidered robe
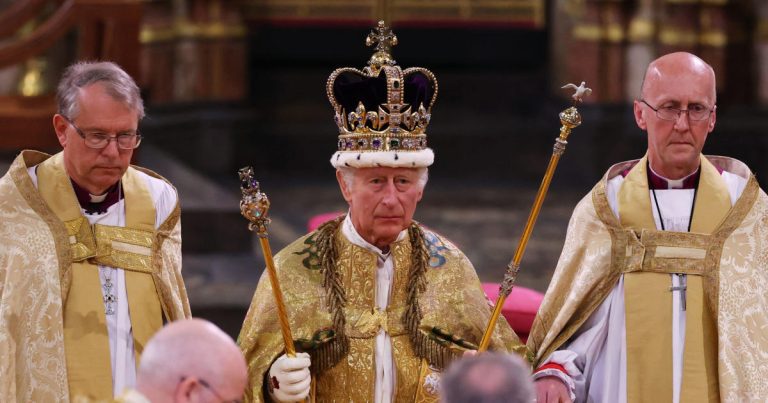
598, 250
35, 279
455, 311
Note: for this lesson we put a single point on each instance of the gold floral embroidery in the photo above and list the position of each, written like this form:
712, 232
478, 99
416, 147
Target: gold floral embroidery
80, 238
34, 266
407, 366
352, 379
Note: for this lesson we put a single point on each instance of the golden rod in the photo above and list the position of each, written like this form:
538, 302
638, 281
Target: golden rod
282, 315
569, 119
254, 206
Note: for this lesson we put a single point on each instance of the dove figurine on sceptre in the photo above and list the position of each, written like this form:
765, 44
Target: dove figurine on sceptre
580, 91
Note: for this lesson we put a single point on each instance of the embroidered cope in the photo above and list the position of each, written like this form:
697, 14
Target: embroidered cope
39, 271
582, 322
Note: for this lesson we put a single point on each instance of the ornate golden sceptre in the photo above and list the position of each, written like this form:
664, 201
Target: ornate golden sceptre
569, 119
254, 206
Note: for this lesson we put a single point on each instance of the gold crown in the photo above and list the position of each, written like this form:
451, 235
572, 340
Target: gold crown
376, 113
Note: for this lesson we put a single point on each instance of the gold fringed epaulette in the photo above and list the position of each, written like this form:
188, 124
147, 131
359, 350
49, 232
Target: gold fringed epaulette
425, 347
328, 354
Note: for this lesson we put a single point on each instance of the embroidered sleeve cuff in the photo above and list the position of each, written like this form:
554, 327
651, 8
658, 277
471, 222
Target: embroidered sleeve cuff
565, 360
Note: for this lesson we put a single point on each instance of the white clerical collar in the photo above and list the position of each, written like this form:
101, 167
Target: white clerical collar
351, 233
99, 198
674, 183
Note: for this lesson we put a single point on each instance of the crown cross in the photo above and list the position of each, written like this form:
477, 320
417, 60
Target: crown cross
382, 36
395, 115
384, 39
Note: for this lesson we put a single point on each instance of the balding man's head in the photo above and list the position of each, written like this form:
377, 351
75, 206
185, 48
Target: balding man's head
679, 64
677, 109
487, 377
191, 357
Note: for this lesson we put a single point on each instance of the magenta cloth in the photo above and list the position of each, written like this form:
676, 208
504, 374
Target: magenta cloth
113, 196
519, 308
316, 220
657, 182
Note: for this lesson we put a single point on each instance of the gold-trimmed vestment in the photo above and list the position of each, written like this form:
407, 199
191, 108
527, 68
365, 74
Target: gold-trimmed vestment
39, 256
453, 306
728, 286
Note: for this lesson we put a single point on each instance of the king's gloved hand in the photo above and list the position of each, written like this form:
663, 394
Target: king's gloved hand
289, 378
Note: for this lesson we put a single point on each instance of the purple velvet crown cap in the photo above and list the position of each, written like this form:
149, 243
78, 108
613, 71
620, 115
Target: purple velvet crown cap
351, 87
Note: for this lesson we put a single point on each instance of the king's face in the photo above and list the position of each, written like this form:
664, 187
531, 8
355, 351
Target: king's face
382, 202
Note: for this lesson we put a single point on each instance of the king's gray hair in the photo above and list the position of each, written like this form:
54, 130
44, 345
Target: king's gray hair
348, 174
118, 84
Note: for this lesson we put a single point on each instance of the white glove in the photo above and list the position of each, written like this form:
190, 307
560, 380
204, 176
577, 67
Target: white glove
289, 378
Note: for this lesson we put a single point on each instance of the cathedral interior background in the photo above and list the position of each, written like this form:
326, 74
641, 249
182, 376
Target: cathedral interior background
229, 83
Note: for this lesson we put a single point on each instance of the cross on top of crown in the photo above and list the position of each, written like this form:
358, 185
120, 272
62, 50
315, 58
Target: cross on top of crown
384, 39
382, 36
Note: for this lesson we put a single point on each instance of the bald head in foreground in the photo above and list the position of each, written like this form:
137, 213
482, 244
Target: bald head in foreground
487, 378
191, 361
661, 281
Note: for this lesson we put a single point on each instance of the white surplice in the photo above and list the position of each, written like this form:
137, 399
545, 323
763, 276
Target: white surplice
596, 356
119, 324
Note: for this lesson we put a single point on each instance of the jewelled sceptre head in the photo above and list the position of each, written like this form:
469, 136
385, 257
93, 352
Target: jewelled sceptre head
569, 119
254, 204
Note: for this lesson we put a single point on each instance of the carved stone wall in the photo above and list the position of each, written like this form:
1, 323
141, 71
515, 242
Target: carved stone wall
761, 49
609, 43
529, 13
193, 50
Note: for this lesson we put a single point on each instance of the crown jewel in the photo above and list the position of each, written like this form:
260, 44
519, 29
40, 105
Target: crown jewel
382, 107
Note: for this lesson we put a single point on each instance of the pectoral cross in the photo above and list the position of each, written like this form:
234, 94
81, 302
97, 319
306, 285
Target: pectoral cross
681, 287
110, 299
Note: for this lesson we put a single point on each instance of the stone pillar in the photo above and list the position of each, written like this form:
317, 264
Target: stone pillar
714, 40
678, 26
613, 22
562, 20
640, 50
194, 50
761, 50
589, 40
583, 58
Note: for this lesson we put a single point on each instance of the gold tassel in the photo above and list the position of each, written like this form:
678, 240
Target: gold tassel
428, 348
329, 354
